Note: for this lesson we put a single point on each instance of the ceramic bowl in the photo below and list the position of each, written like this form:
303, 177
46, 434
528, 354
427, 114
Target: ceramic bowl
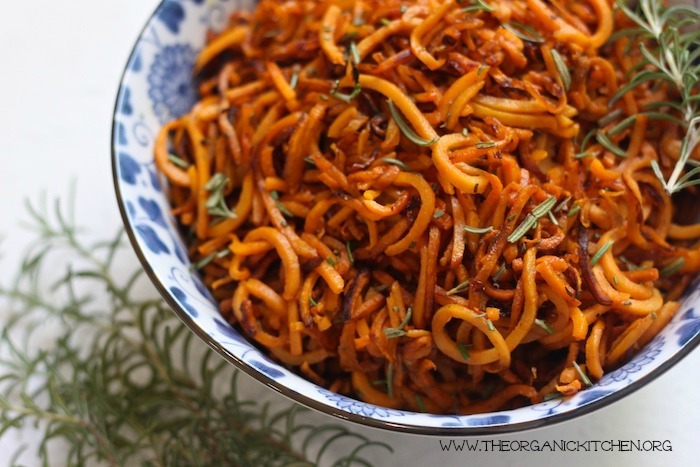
157, 86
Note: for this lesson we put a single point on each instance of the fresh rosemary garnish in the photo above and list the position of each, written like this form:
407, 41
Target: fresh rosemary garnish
552, 396
563, 204
330, 261
670, 56
354, 53
393, 333
478, 231
463, 350
309, 160
523, 31
283, 209
485, 144
216, 204
562, 69
419, 403
499, 273
553, 219
120, 380
544, 325
477, 5
348, 247
385, 21
390, 381
601, 251
406, 129
294, 80
438, 214
584, 144
672, 267
312, 302
609, 118
459, 288
528, 223
356, 90
178, 162
489, 324
604, 141
400, 164
531, 219
574, 210
209, 258
584, 379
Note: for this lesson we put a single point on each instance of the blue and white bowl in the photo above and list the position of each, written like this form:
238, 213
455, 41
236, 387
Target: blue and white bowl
156, 87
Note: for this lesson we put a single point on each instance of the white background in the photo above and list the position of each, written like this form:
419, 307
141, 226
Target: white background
60, 64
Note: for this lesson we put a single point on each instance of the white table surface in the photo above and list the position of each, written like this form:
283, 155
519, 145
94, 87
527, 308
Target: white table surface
60, 64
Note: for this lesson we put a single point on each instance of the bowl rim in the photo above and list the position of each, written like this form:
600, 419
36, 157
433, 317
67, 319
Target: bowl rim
297, 397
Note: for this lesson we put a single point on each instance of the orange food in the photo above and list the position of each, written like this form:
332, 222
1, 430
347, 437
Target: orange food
393, 197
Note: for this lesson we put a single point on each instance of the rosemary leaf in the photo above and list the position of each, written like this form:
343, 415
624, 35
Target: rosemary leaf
400, 164
348, 247
544, 325
419, 403
499, 273
294, 80
562, 69
477, 5
673, 267
458, 288
406, 129
609, 145
601, 251
463, 351
523, 31
356, 90
584, 379
178, 162
528, 223
478, 231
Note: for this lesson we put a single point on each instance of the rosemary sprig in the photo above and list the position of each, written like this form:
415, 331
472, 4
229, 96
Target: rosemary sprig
670, 56
122, 381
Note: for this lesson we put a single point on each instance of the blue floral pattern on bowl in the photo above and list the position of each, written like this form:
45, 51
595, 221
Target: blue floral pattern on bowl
157, 86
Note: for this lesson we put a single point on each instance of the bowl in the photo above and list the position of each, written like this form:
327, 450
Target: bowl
157, 86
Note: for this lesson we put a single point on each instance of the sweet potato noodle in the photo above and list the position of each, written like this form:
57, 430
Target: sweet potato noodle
391, 197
